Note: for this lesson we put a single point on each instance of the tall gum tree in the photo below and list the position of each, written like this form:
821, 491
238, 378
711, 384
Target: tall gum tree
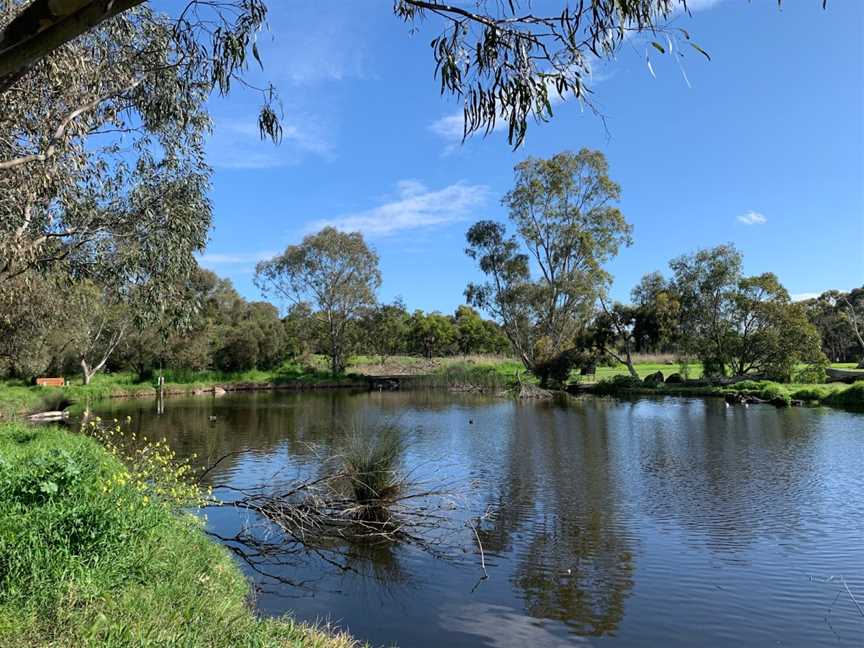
336, 272
567, 226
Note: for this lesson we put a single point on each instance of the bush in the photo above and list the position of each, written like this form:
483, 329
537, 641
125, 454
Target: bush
810, 393
852, 396
239, 352
556, 371
763, 389
618, 384
812, 374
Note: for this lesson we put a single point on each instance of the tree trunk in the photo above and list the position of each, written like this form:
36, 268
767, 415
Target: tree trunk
87, 371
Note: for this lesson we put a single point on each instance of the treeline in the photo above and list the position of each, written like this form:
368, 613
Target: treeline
545, 287
83, 329
733, 324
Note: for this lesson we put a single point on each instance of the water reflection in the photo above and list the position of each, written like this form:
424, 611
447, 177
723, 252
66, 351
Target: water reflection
652, 522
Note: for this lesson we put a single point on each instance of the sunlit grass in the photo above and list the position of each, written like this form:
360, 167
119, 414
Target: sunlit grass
87, 558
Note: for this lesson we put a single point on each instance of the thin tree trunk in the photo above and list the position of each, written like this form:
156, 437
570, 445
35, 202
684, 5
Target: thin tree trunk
87, 371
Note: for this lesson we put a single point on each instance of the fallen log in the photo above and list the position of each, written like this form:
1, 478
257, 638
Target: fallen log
47, 417
843, 375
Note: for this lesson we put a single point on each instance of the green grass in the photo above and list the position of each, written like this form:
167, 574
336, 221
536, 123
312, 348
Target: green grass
84, 566
18, 398
694, 370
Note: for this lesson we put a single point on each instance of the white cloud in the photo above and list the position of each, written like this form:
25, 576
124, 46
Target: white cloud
236, 144
797, 297
752, 218
414, 207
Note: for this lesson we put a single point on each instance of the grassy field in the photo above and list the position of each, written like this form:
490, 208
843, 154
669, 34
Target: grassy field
90, 559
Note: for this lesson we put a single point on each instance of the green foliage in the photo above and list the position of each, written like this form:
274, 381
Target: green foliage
567, 225
370, 461
766, 390
91, 556
239, 351
617, 385
335, 271
432, 333
852, 396
813, 373
810, 393
741, 325
556, 371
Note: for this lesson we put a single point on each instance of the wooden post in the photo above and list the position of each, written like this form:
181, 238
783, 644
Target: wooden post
160, 406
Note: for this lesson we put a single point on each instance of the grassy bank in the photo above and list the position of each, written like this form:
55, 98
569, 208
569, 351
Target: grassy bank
17, 397
487, 373
90, 557
833, 394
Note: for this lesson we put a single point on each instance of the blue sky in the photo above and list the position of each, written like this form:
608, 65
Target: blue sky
764, 147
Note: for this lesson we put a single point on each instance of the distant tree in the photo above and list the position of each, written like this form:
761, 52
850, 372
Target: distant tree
238, 351
825, 313
743, 325
657, 314
614, 328
301, 329
567, 224
472, 336
336, 272
853, 313
706, 281
96, 321
384, 329
263, 322
770, 334
433, 334
496, 341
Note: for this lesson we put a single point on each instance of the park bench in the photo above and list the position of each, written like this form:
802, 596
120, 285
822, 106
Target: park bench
50, 382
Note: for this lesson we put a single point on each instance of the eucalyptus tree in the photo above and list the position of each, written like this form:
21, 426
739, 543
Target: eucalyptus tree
503, 60
102, 169
568, 227
334, 271
853, 314
384, 328
771, 334
432, 334
96, 322
739, 324
706, 282
656, 323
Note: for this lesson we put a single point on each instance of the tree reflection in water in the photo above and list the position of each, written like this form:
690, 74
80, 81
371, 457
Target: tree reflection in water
559, 494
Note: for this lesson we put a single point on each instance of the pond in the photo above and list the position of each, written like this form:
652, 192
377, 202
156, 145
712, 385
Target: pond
673, 522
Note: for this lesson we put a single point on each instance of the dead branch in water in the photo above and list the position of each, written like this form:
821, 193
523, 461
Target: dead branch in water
359, 505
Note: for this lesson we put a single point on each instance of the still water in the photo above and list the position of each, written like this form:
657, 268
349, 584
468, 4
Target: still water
674, 522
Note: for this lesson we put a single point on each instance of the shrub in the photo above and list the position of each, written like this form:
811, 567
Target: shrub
618, 384
851, 396
810, 393
239, 352
371, 465
763, 389
811, 374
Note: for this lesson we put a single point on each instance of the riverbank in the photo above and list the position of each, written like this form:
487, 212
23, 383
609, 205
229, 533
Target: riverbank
473, 372
465, 373
89, 559
764, 391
